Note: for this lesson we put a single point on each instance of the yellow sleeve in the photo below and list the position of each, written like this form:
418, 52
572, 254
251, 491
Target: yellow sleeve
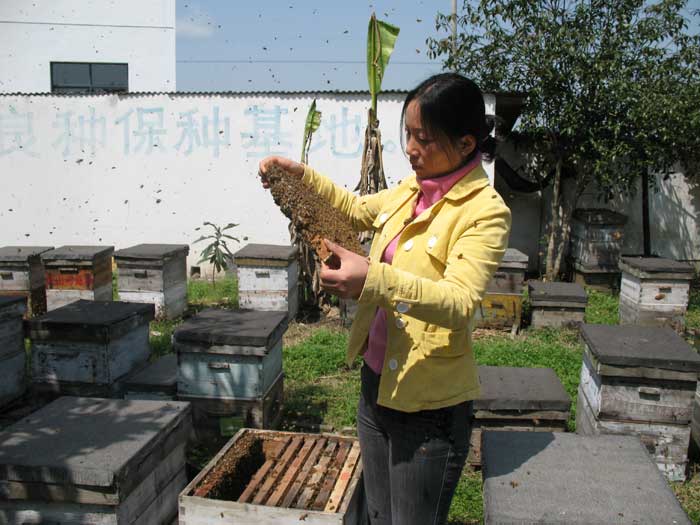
360, 211
471, 263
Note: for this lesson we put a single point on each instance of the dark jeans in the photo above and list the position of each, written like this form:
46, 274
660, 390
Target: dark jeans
411, 461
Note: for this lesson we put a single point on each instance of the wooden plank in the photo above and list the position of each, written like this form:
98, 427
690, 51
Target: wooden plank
279, 468
257, 479
331, 476
333, 503
289, 476
301, 478
319, 471
639, 372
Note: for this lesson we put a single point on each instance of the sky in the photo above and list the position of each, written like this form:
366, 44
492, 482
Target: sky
298, 45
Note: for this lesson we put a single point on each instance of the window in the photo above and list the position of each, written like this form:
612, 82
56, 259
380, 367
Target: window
80, 77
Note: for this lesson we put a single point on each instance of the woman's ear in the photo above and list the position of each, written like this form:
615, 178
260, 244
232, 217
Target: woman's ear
467, 144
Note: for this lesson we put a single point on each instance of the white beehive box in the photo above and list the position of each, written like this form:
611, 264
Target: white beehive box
277, 478
86, 347
12, 354
640, 381
91, 461
268, 277
77, 272
654, 291
22, 273
156, 274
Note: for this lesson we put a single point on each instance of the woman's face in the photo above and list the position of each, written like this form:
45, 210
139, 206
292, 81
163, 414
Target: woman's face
428, 157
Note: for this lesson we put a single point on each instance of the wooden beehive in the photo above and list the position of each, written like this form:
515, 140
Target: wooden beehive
556, 304
86, 347
502, 303
156, 274
268, 277
230, 365
517, 399
12, 354
654, 291
77, 272
94, 461
641, 381
278, 477
695, 422
157, 380
22, 273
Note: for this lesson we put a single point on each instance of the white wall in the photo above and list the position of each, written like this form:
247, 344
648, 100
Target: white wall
34, 34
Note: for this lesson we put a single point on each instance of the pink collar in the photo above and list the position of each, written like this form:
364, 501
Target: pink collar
434, 189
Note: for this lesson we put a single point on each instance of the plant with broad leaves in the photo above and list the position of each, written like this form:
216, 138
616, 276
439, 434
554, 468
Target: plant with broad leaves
217, 252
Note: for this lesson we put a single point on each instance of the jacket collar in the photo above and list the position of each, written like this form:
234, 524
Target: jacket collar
472, 181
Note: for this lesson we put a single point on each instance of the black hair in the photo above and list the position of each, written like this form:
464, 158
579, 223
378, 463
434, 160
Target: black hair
452, 106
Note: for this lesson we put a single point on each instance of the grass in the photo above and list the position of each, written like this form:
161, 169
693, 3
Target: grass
223, 292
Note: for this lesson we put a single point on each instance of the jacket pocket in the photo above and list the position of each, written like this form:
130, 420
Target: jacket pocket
444, 343
437, 246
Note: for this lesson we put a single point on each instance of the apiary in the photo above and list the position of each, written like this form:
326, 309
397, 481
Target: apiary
556, 304
596, 244
278, 477
12, 354
156, 274
502, 304
22, 273
94, 461
641, 381
517, 399
560, 477
268, 278
77, 272
654, 291
230, 365
86, 347
157, 380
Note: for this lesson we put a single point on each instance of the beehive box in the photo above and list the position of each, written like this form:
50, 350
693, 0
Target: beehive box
568, 478
230, 364
268, 278
596, 239
156, 274
12, 354
78, 272
94, 461
502, 304
556, 304
517, 399
654, 291
695, 423
156, 381
278, 477
640, 381
22, 273
85, 347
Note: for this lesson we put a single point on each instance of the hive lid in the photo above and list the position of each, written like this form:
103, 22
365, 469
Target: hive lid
599, 216
77, 253
510, 388
640, 346
513, 255
656, 265
556, 292
161, 374
273, 252
152, 251
92, 442
561, 477
85, 320
21, 253
233, 327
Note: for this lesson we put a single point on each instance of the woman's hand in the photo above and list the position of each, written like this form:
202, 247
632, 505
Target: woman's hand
344, 273
293, 168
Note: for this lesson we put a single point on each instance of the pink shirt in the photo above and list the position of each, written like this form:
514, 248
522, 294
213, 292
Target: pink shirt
431, 191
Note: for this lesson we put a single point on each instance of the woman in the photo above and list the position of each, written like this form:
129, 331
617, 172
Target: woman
438, 238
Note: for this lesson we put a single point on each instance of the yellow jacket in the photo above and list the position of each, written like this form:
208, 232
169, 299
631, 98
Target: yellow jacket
445, 258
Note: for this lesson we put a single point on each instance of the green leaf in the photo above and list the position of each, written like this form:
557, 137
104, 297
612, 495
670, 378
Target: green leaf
313, 121
204, 237
381, 37
229, 226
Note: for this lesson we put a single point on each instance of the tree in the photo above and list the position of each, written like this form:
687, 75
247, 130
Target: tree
612, 89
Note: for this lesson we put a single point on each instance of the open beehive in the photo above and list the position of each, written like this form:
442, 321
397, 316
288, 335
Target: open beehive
278, 477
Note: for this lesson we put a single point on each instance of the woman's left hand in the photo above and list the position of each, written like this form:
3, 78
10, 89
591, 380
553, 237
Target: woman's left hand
344, 273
